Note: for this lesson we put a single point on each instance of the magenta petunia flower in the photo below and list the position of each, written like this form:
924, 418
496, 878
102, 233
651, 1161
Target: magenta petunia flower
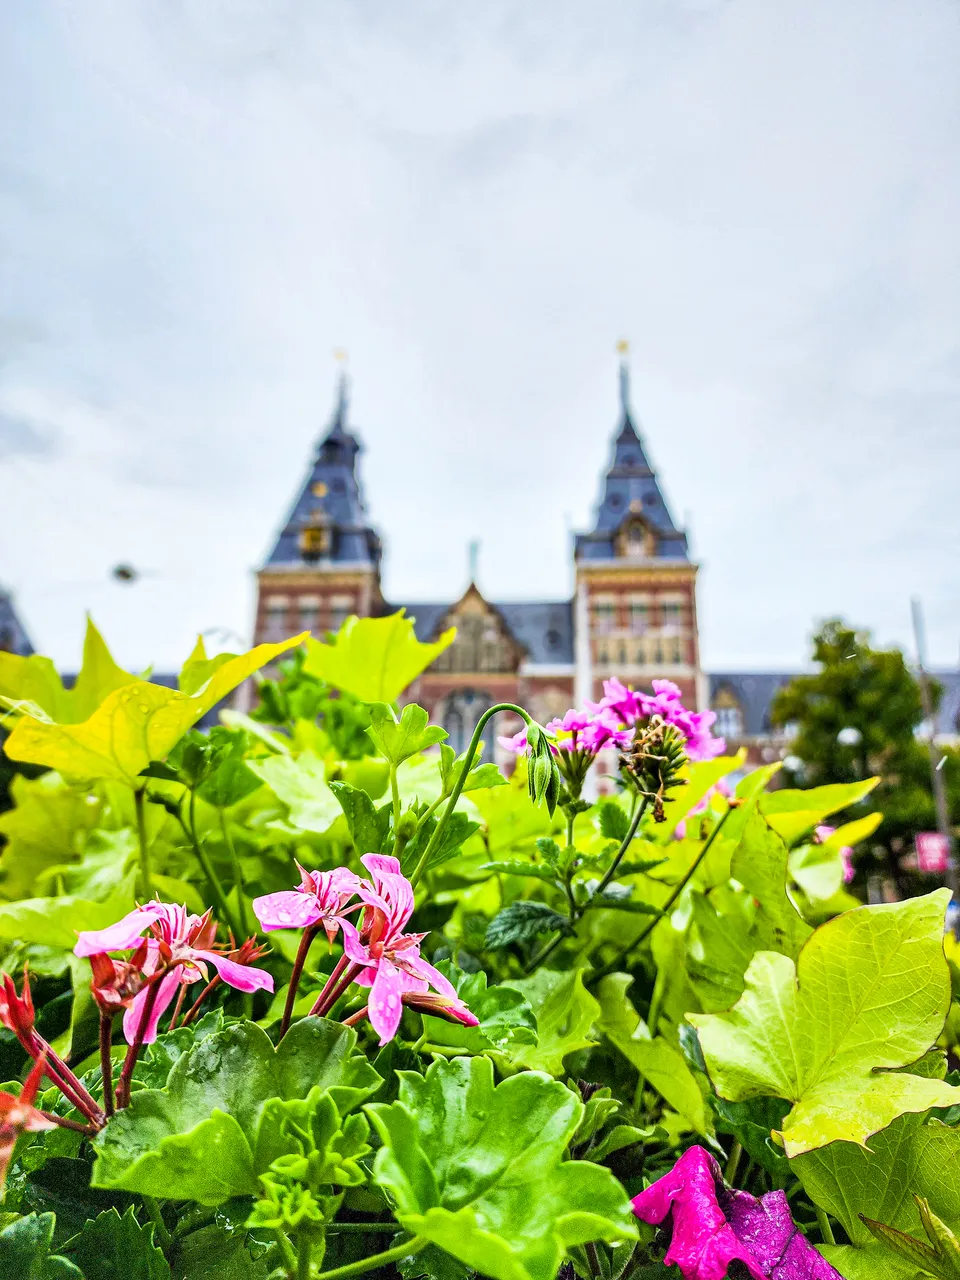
320, 900
713, 1226
388, 960
178, 947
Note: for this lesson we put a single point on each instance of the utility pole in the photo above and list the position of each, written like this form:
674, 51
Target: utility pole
936, 756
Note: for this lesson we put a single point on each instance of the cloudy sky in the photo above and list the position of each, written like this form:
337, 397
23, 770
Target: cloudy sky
201, 199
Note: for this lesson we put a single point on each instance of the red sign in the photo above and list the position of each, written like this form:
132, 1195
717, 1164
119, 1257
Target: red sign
933, 852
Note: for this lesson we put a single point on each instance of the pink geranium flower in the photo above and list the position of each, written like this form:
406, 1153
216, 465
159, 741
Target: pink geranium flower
713, 1225
19, 1115
666, 702
387, 960
320, 900
178, 949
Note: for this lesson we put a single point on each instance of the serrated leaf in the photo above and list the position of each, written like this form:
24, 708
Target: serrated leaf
46, 828
565, 1013
610, 902
479, 1171
300, 783
398, 740
195, 1139
614, 821
25, 1251
831, 1047
113, 1248
522, 921
134, 725
368, 826
638, 866
659, 1062
457, 831
35, 680
375, 659
479, 778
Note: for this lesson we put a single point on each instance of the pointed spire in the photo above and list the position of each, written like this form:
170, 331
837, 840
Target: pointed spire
623, 347
338, 423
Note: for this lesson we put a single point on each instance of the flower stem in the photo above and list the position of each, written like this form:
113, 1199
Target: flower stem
213, 880
194, 1009
106, 1061
334, 990
306, 939
146, 881
624, 846
665, 910
459, 784
824, 1224
733, 1164
304, 1256
378, 1260
156, 1217
133, 1053
356, 1017
237, 875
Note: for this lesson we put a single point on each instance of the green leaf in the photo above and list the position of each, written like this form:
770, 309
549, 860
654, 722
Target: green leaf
831, 1045
113, 1248
506, 1018
35, 680
215, 1254
457, 831
25, 1251
300, 783
133, 726
565, 1012
753, 1123
532, 870
759, 863
398, 740
661, 1064
479, 1170
614, 821
55, 922
522, 921
368, 826
610, 902
793, 813
195, 1139
375, 659
47, 828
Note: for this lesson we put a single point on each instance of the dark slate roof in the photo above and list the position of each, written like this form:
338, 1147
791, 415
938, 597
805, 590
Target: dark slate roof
335, 468
543, 627
13, 635
754, 692
630, 482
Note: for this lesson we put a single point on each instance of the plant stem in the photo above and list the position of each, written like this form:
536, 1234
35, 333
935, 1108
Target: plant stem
356, 1017
733, 1164
195, 1007
156, 1217
395, 793
329, 985
133, 1053
305, 942
824, 1224
342, 1228
336, 990
146, 881
591, 1251
286, 1251
177, 1008
625, 844
461, 779
304, 1256
645, 933
576, 913
106, 1061
378, 1260
213, 880
237, 875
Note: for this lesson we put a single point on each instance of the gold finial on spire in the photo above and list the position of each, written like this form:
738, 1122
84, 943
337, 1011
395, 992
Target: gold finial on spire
623, 347
340, 355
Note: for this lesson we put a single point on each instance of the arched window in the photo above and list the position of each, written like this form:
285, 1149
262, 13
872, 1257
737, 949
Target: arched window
462, 711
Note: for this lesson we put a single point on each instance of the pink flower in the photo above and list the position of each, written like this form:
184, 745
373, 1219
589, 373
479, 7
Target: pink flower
712, 1226
389, 960
517, 744
178, 948
440, 1007
320, 899
821, 835
18, 1115
665, 702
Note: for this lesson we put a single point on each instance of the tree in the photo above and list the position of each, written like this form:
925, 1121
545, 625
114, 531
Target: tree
857, 717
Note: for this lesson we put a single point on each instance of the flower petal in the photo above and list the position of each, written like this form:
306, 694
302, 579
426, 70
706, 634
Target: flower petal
122, 936
245, 977
288, 909
352, 945
385, 1005
132, 1017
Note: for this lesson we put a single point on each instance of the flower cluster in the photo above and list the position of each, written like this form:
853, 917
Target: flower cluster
378, 954
714, 1226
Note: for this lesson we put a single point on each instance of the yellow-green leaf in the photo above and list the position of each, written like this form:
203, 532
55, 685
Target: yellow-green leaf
375, 659
35, 681
868, 995
135, 724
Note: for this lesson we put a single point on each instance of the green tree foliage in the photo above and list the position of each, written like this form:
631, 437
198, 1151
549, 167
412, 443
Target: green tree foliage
871, 694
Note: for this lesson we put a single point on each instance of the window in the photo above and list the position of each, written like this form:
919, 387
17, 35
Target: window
674, 649
636, 541
729, 722
340, 609
276, 618
672, 616
308, 613
639, 615
604, 615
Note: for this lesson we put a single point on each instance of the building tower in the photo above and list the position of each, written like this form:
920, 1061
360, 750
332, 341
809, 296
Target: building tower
325, 564
635, 613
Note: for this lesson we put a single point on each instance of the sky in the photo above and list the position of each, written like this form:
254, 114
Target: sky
201, 200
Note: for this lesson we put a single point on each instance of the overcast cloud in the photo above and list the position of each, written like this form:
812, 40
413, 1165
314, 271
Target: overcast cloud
201, 199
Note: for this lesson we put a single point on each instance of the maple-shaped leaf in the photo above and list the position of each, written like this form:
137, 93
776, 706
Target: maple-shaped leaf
375, 659
480, 1172
867, 996
134, 725
33, 683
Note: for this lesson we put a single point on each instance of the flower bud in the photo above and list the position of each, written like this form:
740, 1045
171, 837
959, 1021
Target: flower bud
543, 773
